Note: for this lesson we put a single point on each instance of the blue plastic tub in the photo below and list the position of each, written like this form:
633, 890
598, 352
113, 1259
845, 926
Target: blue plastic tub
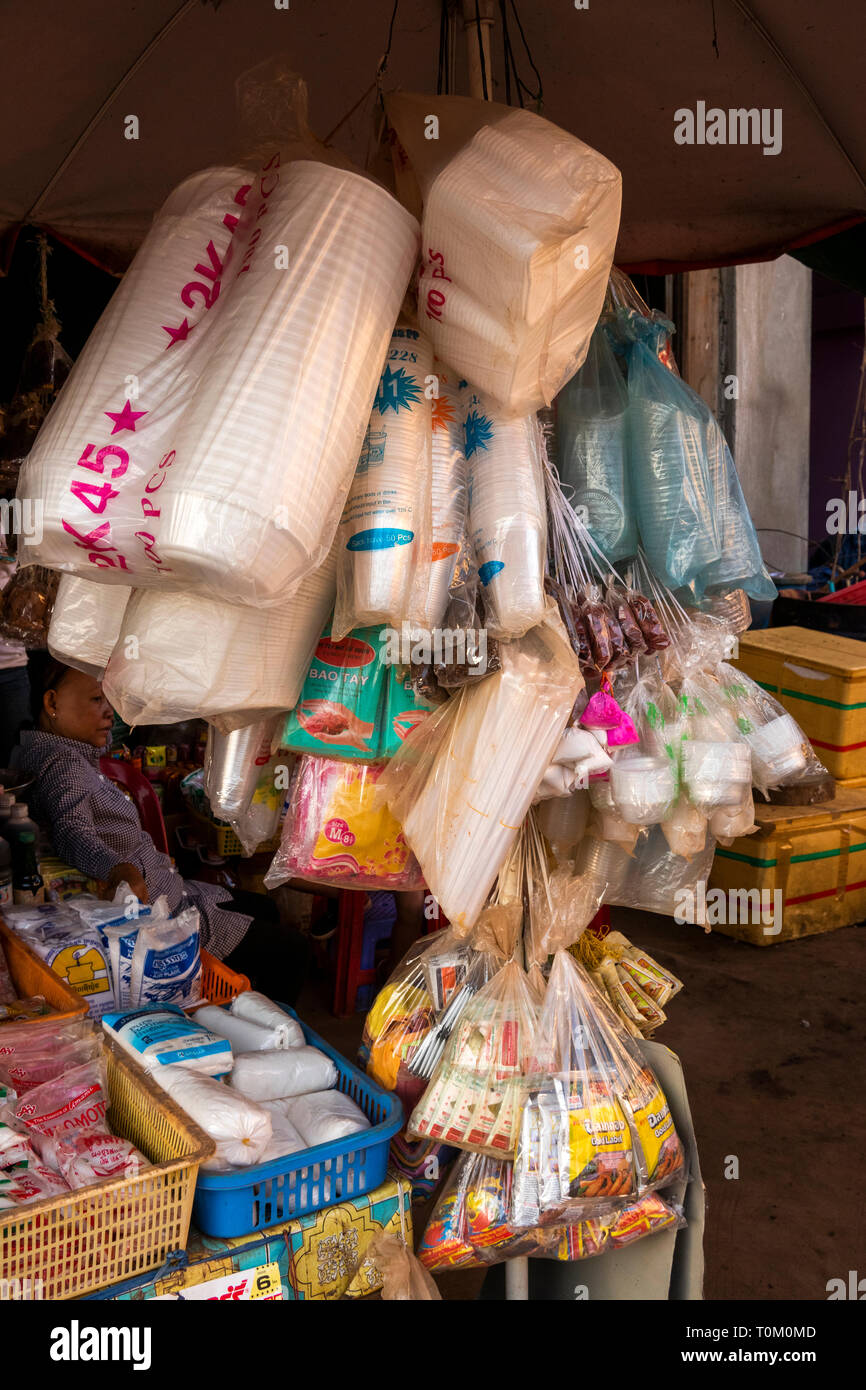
236, 1204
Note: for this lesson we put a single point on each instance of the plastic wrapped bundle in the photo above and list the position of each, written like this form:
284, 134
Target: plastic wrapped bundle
464, 780
596, 1125
99, 458
291, 376
197, 658
643, 789
716, 774
658, 877
476, 1093
449, 493
86, 622
384, 535
339, 831
507, 514
520, 221
591, 431
781, 753
693, 520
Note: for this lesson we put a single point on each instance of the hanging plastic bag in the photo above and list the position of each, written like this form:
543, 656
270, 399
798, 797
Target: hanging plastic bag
781, 753
415, 1013
85, 623
507, 513
596, 1125
196, 657
339, 831
476, 1092
692, 518
591, 430
385, 532
519, 225
404, 1278
660, 880
463, 782
473, 652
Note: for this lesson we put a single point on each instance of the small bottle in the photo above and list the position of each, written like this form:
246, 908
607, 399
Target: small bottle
7, 801
28, 886
18, 823
5, 874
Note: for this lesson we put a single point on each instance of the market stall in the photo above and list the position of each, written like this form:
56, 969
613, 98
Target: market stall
464, 628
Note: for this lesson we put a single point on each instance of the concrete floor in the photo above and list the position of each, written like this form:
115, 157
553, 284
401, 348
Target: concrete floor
773, 1047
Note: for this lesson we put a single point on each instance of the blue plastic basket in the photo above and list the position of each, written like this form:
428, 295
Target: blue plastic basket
235, 1204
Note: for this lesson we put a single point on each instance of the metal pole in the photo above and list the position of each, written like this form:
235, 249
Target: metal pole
478, 26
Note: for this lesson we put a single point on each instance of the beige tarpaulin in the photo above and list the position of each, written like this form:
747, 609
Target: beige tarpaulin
615, 72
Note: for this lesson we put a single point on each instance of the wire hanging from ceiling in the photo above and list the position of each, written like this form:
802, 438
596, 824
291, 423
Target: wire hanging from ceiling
512, 73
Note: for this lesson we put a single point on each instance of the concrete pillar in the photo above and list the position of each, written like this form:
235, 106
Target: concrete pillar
773, 355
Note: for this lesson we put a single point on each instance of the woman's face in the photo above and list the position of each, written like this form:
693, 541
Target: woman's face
78, 709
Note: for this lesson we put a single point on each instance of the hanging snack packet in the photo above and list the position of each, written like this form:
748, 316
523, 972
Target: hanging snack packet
339, 712
596, 1125
339, 831
477, 1090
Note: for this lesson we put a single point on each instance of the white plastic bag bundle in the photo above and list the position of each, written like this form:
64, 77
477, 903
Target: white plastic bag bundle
160, 1038
326, 1117
519, 227
243, 1035
271, 436
263, 1011
285, 1138
271, 1075
86, 622
96, 464
464, 780
449, 492
240, 1129
507, 513
384, 536
194, 657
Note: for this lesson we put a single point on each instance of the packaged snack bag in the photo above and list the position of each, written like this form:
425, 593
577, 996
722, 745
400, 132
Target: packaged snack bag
338, 831
476, 1092
596, 1125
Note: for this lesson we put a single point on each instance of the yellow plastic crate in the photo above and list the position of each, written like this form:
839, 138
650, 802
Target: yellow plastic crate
111, 1231
821, 680
816, 856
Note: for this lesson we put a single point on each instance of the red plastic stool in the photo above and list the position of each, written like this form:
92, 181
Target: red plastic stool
350, 941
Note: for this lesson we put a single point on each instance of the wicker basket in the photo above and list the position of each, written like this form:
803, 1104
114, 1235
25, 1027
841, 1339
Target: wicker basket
111, 1231
31, 975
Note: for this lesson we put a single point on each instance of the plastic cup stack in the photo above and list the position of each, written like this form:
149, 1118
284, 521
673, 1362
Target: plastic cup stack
132, 360
384, 534
778, 750
449, 493
268, 444
716, 774
643, 789
507, 514
231, 766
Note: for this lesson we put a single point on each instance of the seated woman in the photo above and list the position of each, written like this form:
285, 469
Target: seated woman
95, 828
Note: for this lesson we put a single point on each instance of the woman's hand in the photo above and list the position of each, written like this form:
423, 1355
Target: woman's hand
126, 873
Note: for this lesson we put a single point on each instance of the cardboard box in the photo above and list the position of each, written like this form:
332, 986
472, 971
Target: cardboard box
320, 1256
814, 855
821, 680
